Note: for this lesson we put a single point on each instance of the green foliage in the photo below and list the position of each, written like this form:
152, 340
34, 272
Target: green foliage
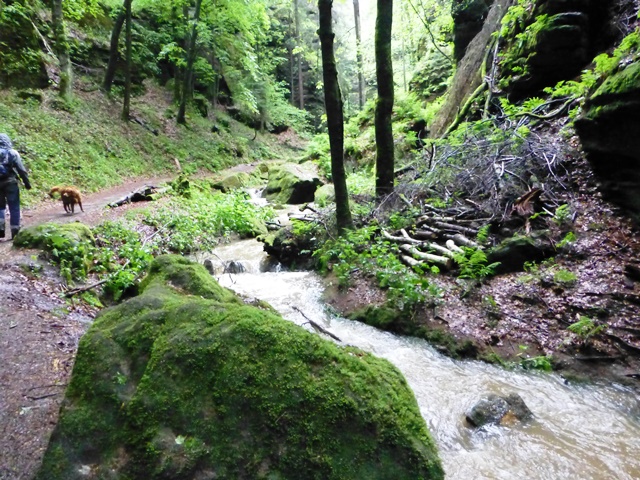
562, 215
474, 265
586, 328
360, 250
567, 239
541, 362
197, 222
565, 277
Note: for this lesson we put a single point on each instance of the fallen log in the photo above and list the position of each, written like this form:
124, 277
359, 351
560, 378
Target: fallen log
143, 194
436, 259
410, 261
462, 240
402, 239
457, 228
451, 245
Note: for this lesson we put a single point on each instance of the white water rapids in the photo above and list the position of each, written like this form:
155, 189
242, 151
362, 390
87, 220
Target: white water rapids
579, 432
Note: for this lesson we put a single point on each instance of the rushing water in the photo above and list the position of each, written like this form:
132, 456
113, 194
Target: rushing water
579, 432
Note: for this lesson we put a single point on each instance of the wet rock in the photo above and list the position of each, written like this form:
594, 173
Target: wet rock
234, 267
208, 264
513, 252
497, 410
608, 130
292, 183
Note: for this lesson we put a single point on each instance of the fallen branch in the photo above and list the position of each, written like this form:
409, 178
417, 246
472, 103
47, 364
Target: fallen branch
316, 326
403, 239
410, 261
437, 259
457, 228
75, 291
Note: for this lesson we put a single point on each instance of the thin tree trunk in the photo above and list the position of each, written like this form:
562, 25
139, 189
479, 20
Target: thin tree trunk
356, 13
335, 117
188, 73
113, 51
61, 46
384, 103
126, 106
300, 73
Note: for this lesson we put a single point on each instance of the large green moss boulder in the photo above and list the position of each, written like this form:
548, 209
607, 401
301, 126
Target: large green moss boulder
292, 183
186, 382
53, 235
609, 130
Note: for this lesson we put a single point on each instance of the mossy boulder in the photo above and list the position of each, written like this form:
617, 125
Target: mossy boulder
325, 195
292, 183
186, 382
232, 181
53, 235
609, 130
512, 253
291, 250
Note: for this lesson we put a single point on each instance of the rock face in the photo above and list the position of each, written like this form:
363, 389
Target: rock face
557, 40
496, 410
186, 382
609, 134
292, 183
468, 18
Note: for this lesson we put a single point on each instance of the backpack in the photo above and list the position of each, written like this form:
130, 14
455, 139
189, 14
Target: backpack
5, 164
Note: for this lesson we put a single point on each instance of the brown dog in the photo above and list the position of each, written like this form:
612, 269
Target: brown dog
69, 196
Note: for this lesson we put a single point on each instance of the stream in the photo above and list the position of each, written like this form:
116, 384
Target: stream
579, 432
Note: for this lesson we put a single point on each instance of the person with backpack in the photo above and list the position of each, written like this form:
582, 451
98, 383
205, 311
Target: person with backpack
10, 168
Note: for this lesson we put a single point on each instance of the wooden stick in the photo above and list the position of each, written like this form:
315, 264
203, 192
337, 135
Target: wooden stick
457, 228
315, 325
402, 239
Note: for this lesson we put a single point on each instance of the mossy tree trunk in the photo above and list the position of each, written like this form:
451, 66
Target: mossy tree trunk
356, 14
62, 49
113, 51
188, 73
335, 117
384, 103
126, 105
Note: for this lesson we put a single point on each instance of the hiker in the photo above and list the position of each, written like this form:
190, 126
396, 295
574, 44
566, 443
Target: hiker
10, 168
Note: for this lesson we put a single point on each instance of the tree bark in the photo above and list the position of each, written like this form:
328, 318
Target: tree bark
335, 116
300, 74
384, 103
188, 73
356, 14
113, 51
61, 46
126, 105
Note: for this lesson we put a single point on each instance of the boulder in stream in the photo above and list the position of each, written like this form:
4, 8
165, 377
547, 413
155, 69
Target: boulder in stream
292, 183
497, 410
185, 381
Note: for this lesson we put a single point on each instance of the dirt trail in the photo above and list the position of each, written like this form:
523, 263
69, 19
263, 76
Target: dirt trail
39, 334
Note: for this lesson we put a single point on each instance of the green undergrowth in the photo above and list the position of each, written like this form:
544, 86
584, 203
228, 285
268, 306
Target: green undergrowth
84, 142
190, 218
184, 381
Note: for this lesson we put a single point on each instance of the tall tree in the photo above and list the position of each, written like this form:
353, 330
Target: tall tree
356, 14
113, 51
299, 42
61, 49
188, 73
384, 103
335, 116
126, 105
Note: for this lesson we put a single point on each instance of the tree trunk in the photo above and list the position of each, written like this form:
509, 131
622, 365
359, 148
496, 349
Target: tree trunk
113, 51
384, 103
356, 12
188, 73
300, 74
62, 49
335, 118
127, 78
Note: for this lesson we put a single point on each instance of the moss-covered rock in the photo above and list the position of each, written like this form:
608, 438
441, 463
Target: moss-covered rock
292, 183
468, 18
609, 130
50, 235
185, 382
325, 195
232, 181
